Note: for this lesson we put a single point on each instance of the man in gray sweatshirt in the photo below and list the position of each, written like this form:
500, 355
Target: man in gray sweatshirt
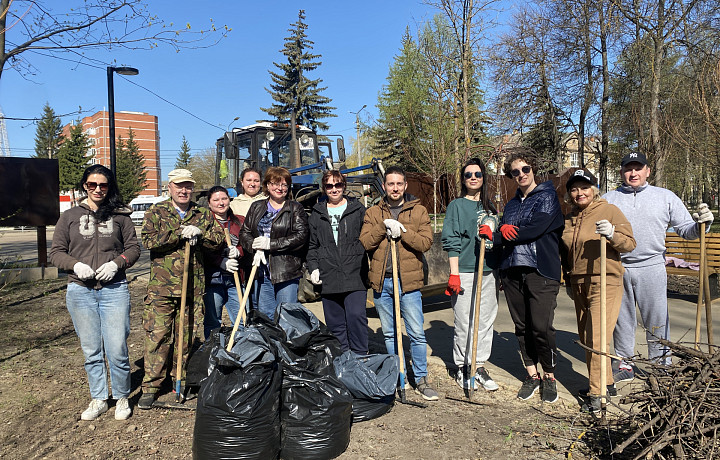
650, 210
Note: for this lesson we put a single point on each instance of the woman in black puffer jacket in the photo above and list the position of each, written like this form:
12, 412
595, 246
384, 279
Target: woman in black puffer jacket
337, 262
276, 230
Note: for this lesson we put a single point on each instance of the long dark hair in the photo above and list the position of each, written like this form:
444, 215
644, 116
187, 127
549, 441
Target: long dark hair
113, 200
484, 199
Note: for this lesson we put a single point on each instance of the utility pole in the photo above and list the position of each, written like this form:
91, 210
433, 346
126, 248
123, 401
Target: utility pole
357, 127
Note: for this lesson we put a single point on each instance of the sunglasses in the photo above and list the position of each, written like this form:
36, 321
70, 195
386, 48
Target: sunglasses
468, 175
525, 170
93, 185
338, 185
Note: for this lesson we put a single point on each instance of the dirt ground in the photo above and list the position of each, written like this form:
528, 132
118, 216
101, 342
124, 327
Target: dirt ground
43, 390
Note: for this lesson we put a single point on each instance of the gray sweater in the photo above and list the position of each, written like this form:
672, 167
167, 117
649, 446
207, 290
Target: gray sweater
651, 210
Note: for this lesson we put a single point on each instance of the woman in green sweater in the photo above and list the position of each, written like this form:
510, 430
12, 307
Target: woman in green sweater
467, 219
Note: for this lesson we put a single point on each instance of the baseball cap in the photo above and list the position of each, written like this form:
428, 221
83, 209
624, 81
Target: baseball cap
180, 175
580, 175
634, 157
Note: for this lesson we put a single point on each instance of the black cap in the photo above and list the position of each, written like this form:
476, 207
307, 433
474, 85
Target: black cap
580, 175
634, 157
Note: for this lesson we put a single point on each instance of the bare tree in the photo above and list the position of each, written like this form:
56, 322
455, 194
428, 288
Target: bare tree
58, 27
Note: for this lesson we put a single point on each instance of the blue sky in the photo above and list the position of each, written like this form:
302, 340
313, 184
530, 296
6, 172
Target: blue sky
357, 41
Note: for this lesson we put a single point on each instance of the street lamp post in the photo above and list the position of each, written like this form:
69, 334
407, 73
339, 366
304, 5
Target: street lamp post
357, 127
111, 106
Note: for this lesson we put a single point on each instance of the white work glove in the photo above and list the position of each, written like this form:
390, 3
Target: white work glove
605, 228
315, 277
230, 265
261, 242
394, 228
190, 233
703, 215
107, 271
233, 252
259, 258
83, 271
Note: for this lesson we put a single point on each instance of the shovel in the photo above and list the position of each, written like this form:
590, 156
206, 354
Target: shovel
603, 325
398, 331
241, 309
241, 314
179, 396
476, 319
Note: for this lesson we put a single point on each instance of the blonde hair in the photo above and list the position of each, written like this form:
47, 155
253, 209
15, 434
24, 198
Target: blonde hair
596, 196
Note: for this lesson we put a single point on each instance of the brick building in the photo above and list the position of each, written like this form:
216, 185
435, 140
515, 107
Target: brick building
147, 136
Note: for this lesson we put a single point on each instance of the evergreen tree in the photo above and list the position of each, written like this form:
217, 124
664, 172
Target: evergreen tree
292, 90
48, 135
129, 168
72, 159
183, 158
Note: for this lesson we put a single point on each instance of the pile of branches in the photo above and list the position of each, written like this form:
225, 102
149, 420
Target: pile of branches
677, 412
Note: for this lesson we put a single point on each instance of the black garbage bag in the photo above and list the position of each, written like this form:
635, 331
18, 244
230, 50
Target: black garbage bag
299, 323
199, 362
316, 415
371, 379
238, 411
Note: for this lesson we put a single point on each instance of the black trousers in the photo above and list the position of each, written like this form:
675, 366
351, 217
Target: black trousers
346, 318
532, 299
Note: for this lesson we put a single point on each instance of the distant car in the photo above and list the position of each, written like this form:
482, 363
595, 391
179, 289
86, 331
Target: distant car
141, 204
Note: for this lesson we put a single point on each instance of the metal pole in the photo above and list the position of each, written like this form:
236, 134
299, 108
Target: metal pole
111, 117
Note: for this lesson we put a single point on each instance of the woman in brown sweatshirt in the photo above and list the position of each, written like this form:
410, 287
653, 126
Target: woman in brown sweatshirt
591, 218
95, 242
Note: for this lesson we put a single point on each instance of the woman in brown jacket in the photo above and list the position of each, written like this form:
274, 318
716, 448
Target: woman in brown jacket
591, 218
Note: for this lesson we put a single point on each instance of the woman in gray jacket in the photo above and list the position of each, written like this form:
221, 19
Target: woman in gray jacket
95, 242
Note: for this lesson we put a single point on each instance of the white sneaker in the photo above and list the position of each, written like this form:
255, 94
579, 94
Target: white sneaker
94, 410
464, 383
122, 409
485, 380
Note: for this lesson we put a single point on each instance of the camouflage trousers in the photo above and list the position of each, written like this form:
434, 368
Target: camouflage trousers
161, 328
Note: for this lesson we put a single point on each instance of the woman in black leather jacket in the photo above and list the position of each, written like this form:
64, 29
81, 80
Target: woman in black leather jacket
276, 229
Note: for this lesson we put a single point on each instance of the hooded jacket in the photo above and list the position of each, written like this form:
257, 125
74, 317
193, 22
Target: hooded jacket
581, 245
540, 224
79, 237
241, 203
343, 266
651, 210
288, 238
412, 244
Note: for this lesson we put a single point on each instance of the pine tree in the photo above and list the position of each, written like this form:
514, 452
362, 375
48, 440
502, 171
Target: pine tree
72, 159
48, 135
129, 168
292, 90
184, 156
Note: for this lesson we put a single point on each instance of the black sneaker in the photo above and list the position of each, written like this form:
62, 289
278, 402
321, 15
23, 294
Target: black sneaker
529, 387
549, 390
611, 391
146, 401
624, 375
593, 405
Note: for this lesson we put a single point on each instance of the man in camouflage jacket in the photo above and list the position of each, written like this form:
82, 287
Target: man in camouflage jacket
167, 227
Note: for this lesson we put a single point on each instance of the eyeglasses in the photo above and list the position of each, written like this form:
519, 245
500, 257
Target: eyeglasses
338, 185
93, 185
280, 186
468, 175
188, 188
525, 170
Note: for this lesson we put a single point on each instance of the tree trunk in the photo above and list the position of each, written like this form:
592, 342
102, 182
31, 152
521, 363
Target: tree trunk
604, 118
657, 153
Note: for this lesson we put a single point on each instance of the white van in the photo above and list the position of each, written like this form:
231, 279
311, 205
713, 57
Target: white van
140, 204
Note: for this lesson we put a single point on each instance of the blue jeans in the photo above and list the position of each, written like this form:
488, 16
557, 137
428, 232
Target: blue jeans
215, 297
266, 296
102, 322
411, 312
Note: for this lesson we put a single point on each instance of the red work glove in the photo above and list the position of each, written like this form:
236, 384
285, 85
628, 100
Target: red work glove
453, 286
509, 232
485, 232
